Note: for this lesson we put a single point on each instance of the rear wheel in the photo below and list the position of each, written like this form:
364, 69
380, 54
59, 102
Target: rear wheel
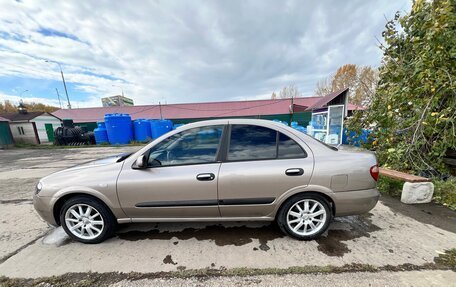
305, 216
87, 220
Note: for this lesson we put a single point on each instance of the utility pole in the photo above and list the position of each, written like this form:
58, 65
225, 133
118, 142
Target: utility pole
58, 96
64, 84
160, 107
291, 109
20, 95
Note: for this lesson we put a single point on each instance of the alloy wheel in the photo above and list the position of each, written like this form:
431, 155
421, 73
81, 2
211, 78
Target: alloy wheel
306, 217
84, 221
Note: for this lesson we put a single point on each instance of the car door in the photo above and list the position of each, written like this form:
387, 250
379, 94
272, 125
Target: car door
180, 180
261, 164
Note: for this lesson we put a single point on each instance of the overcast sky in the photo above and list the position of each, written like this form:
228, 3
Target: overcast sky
182, 51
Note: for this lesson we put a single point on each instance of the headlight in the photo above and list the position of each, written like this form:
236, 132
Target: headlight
39, 186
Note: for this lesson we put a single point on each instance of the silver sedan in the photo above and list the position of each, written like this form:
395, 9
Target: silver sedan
218, 170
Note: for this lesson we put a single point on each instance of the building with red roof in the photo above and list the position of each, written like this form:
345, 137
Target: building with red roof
290, 109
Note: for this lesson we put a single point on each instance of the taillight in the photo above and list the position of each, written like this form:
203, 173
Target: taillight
374, 172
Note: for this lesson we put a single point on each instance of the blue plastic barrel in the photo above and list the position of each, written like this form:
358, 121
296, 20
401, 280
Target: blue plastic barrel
142, 130
119, 128
160, 127
101, 134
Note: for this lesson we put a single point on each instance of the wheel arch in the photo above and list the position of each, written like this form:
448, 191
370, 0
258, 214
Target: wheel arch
61, 201
328, 198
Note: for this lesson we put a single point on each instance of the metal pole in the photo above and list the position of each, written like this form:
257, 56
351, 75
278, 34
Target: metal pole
58, 96
63, 79
292, 110
20, 95
64, 85
159, 105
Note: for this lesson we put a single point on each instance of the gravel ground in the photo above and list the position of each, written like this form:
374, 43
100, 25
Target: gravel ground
381, 279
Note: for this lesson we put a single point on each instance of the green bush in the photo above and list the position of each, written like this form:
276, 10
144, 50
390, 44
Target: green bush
390, 186
445, 192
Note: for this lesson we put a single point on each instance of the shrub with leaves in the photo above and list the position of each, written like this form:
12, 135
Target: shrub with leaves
412, 114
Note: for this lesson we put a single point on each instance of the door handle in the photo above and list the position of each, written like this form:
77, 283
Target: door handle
205, 176
294, 171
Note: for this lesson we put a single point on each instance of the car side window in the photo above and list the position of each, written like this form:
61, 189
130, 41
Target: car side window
249, 142
288, 148
192, 146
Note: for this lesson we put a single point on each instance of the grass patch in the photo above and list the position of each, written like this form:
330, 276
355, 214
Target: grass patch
444, 261
445, 192
448, 258
390, 186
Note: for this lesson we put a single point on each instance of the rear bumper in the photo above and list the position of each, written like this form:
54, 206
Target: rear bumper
43, 206
355, 202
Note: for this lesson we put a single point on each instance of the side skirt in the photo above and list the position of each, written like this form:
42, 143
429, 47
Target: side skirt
201, 219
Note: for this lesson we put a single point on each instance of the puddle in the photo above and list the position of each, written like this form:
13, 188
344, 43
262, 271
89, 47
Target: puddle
221, 235
331, 243
57, 237
353, 227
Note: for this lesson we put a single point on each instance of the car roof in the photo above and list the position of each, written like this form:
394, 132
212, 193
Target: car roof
239, 121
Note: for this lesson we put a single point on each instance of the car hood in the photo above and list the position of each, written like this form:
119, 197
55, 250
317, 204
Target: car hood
91, 164
106, 160
87, 176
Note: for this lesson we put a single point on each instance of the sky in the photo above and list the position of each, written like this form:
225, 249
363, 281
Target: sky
182, 51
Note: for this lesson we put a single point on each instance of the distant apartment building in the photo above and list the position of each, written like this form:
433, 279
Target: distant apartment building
117, 101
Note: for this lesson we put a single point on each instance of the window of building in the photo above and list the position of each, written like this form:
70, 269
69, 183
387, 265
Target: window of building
21, 130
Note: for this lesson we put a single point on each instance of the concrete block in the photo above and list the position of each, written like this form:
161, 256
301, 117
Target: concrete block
417, 192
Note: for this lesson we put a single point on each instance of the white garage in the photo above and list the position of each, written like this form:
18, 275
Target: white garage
32, 127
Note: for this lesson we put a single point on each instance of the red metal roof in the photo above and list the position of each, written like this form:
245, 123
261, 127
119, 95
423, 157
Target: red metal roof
192, 110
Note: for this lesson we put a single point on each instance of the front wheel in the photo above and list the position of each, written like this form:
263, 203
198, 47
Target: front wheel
305, 216
86, 220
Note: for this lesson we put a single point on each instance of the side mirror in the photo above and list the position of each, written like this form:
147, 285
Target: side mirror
140, 162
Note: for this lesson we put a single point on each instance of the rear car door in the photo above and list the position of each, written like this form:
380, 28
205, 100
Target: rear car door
261, 164
181, 178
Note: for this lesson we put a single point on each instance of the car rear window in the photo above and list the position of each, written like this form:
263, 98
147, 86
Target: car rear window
249, 142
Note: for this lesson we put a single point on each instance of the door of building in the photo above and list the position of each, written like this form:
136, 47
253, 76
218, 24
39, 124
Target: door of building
49, 132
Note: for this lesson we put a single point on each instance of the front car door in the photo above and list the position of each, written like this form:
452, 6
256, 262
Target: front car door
261, 164
181, 178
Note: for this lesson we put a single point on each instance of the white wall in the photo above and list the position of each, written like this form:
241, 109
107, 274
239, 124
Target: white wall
27, 137
40, 121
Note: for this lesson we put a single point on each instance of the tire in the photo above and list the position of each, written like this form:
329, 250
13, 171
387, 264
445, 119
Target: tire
290, 216
91, 228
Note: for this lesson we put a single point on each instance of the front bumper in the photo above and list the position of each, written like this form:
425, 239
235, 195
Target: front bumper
355, 202
44, 206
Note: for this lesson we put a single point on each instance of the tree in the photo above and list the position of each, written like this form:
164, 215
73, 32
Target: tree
361, 81
413, 111
8, 107
273, 96
290, 91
